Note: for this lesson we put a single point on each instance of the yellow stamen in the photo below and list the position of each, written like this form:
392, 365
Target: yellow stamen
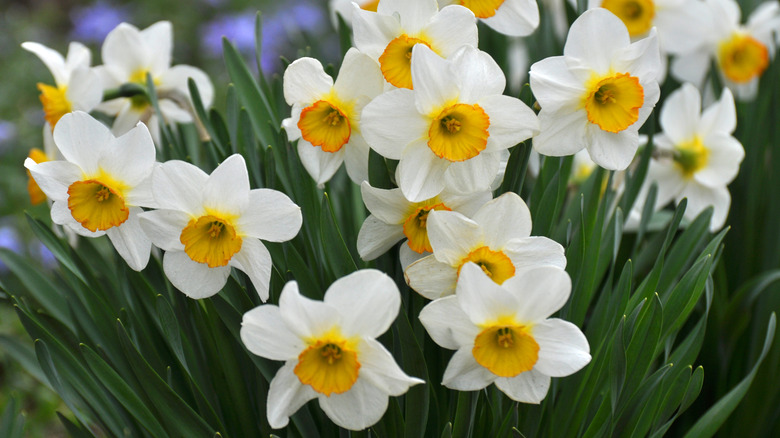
637, 15
55, 103
328, 365
691, 157
506, 350
323, 124
96, 206
459, 132
482, 8
742, 58
396, 60
211, 240
416, 225
613, 102
497, 265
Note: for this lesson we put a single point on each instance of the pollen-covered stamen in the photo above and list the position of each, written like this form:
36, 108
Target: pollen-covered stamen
459, 132
482, 8
323, 124
742, 58
328, 366
416, 225
506, 350
637, 15
495, 264
96, 206
210, 240
613, 102
55, 103
396, 61
691, 157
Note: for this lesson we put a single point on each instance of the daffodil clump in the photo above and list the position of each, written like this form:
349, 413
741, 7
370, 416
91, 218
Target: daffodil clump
460, 222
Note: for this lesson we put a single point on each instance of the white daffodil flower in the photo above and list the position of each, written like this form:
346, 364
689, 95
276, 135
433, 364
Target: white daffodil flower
509, 17
453, 129
129, 55
394, 218
389, 34
207, 224
741, 52
503, 334
345, 9
326, 115
103, 183
497, 238
330, 350
77, 86
697, 155
599, 93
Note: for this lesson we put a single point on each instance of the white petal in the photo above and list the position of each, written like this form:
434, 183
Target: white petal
391, 121
78, 56
681, 113
51, 58
356, 158
196, 280
691, 67
720, 117
482, 299
359, 76
131, 242
158, 38
452, 236
535, 251
463, 373
54, 177
368, 301
376, 237
82, 140
321, 165
84, 91
613, 151
305, 82
286, 395
506, 217
227, 188
642, 59
372, 31
264, 333
511, 121
131, 158
561, 133
479, 75
431, 278
270, 215
178, 185
414, 14
447, 324
406, 256
725, 155
541, 291
129, 116
452, 28
563, 349
434, 78
469, 204
255, 260
379, 368
389, 206
164, 227
528, 387
420, 173
515, 18
554, 85
595, 37
125, 50
176, 79
701, 197
360, 407
60, 214
474, 174
303, 316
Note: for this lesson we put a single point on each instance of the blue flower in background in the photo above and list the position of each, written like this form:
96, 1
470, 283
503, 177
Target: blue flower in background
9, 239
92, 23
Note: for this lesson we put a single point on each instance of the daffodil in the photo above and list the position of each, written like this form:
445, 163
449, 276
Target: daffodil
48, 153
599, 93
453, 129
394, 218
129, 55
76, 86
497, 238
740, 52
509, 17
207, 224
102, 184
330, 350
503, 334
326, 115
345, 9
697, 156
389, 34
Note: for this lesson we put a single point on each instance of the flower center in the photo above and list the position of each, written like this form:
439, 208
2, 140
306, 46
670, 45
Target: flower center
96, 206
323, 124
416, 225
328, 366
637, 15
506, 350
36, 194
211, 240
55, 104
691, 157
613, 102
396, 60
742, 58
495, 264
459, 132
482, 8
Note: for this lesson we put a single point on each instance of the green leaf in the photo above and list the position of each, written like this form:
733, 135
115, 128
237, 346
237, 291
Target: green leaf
12, 420
338, 257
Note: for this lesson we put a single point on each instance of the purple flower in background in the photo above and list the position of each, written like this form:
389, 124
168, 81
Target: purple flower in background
9, 239
92, 23
43, 254
238, 28
7, 133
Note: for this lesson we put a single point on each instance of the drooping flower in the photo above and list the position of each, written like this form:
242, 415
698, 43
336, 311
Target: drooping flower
497, 238
599, 93
77, 86
128, 56
503, 334
330, 350
389, 34
102, 184
326, 115
453, 129
697, 155
394, 218
509, 17
207, 224
740, 52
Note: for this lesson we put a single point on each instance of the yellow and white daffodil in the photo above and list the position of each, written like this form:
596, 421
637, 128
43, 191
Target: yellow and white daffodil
394, 218
102, 184
740, 52
497, 238
453, 129
128, 56
330, 350
77, 86
389, 34
326, 115
207, 224
599, 93
503, 334
509, 17
697, 157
